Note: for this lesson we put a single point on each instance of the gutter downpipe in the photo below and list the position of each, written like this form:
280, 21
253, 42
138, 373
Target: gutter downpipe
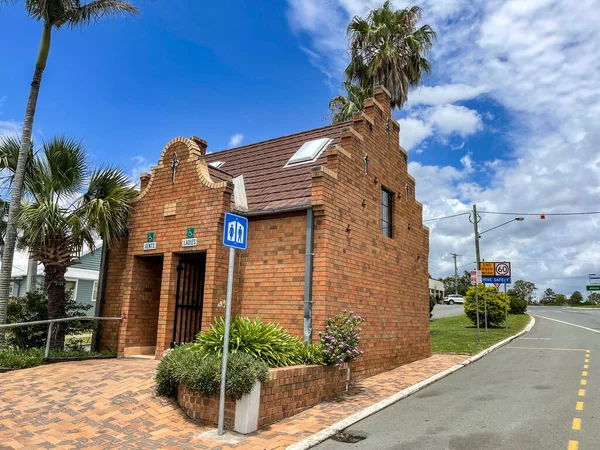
308, 276
101, 289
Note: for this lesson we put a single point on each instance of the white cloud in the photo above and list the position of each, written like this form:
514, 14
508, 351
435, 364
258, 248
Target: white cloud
9, 128
140, 165
447, 93
453, 119
413, 131
236, 140
538, 60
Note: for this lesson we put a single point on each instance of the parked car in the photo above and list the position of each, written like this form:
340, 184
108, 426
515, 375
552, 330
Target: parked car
453, 298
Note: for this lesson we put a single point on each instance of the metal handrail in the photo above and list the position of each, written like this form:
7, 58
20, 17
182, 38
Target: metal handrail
51, 322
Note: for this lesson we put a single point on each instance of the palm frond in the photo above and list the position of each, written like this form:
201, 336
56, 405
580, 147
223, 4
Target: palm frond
81, 15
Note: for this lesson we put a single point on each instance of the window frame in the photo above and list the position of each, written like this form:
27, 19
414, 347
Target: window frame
95, 291
387, 220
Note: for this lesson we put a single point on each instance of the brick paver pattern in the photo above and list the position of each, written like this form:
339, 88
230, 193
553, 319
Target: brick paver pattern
111, 404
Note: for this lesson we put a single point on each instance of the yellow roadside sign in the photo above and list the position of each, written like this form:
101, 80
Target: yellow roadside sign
487, 269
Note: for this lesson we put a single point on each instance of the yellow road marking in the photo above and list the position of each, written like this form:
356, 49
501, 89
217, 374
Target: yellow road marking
573, 445
579, 406
577, 423
587, 360
582, 392
585, 366
583, 382
584, 374
547, 348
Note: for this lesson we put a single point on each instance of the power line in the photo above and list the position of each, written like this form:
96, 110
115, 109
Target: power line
584, 213
446, 217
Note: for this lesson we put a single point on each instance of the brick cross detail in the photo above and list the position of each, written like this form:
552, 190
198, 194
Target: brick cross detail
174, 165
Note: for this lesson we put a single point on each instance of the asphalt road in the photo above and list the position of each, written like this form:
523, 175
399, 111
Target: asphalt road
523, 396
440, 311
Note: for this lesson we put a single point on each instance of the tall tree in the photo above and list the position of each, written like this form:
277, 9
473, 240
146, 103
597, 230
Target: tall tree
387, 48
463, 282
53, 14
525, 290
594, 298
549, 297
67, 207
3, 212
559, 300
576, 298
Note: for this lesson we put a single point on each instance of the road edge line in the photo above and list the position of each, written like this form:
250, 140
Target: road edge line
322, 435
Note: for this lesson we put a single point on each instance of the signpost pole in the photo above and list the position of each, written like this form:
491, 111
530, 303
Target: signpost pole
226, 340
475, 220
505, 310
485, 306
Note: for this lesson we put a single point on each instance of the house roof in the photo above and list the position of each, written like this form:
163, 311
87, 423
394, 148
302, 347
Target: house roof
270, 185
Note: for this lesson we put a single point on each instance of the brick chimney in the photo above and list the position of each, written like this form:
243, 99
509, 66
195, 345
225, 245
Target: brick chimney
144, 180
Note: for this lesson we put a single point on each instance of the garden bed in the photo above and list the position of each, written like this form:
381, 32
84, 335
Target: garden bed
288, 391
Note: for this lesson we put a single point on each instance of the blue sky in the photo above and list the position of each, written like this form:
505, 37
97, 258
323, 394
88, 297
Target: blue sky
508, 119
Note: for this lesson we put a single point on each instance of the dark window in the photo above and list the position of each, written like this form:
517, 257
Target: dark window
386, 212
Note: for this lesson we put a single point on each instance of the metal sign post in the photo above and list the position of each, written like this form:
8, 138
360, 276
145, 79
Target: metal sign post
235, 235
505, 310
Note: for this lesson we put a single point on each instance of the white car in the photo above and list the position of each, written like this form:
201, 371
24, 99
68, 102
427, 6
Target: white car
453, 298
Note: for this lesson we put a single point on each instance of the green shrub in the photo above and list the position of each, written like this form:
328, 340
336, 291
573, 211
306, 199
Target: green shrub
33, 307
19, 358
516, 305
202, 373
341, 338
311, 354
266, 342
495, 306
432, 302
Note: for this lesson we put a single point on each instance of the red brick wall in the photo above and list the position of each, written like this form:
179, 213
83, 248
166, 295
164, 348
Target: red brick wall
205, 408
356, 267
270, 273
113, 295
291, 390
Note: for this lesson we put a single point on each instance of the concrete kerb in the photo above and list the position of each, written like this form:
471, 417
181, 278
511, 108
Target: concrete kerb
360, 415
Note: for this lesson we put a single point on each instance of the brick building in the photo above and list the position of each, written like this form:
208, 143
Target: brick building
343, 190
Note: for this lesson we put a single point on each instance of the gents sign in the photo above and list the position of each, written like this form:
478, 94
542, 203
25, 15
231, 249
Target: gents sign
150, 243
495, 272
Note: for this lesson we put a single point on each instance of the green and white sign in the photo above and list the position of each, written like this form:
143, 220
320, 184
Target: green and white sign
593, 287
190, 240
150, 243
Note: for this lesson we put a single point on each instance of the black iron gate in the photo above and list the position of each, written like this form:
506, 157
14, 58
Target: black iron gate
189, 298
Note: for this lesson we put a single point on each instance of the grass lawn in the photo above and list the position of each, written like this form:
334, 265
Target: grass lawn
585, 306
458, 334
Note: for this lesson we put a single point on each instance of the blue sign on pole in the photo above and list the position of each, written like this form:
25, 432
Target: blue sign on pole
495, 279
235, 233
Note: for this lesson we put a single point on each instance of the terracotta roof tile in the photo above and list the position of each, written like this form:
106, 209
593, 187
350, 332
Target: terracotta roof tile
269, 185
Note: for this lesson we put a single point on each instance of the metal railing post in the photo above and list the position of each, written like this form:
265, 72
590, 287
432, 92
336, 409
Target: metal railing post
48, 338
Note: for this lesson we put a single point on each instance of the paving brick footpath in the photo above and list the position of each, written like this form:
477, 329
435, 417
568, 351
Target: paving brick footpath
111, 404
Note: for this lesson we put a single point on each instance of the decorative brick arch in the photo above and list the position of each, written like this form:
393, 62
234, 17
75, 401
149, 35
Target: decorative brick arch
194, 154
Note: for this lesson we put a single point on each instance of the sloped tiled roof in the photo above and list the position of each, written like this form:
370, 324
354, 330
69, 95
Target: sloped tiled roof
270, 186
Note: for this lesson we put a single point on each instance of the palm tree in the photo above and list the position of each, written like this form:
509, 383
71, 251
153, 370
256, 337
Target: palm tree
54, 14
387, 49
3, 212
67, 207
343, 107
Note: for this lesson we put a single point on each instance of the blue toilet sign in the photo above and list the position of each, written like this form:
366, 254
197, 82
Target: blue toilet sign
235, 233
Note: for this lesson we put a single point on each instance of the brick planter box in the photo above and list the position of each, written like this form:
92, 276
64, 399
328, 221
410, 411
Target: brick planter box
288, 391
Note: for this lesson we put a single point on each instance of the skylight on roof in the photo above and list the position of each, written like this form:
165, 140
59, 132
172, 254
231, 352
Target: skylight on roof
216, 164
309, 152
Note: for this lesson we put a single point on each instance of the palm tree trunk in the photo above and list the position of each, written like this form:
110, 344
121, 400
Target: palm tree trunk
17, 187
54, 284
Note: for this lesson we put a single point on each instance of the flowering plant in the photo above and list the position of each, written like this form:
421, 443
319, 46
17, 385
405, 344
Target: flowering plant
340, 339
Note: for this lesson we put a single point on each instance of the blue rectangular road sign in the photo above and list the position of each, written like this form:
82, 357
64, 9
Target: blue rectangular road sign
495, 279
235, 233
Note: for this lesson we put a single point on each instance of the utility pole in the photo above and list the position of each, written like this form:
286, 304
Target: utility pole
475, 220
454, 255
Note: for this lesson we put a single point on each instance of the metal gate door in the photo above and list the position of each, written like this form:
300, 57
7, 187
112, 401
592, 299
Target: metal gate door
189, 298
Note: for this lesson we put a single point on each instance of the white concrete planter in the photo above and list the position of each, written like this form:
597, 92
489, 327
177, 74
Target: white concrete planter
246, 411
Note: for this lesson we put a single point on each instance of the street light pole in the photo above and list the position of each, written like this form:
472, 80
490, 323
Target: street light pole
475, 220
